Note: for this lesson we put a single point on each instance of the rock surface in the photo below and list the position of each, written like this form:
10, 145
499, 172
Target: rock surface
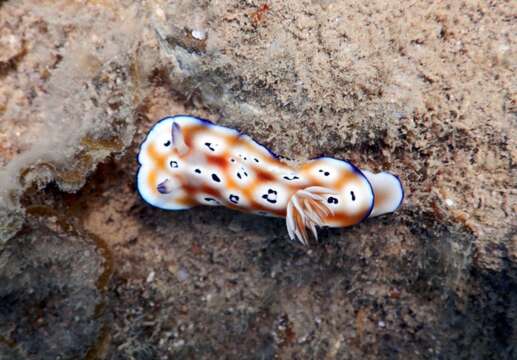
51, 298
425, 91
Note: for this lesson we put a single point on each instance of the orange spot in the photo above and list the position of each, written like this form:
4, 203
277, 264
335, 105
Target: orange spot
158, 159
307, 166
380, 198
186, 201
231, 185
189, 132
151, 180
232, 140
345, 178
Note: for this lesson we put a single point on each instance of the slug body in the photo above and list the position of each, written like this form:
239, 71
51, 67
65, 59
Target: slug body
186, 161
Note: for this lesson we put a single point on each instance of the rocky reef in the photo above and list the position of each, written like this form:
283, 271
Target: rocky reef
426, 91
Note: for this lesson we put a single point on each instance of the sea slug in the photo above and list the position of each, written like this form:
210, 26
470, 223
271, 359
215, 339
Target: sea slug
186, 161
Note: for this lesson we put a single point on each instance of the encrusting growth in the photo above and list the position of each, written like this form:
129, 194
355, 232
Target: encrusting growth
186, 161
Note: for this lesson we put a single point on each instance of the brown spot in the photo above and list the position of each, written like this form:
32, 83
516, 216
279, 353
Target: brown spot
258, 16
219, 161
290, 335
12, 64
394, 293
360, 322
196, 249
210, 191
160, 77
264, 175
437, 210
189, 189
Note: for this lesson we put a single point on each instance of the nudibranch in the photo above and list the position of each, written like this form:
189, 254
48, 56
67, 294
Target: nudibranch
186, 161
